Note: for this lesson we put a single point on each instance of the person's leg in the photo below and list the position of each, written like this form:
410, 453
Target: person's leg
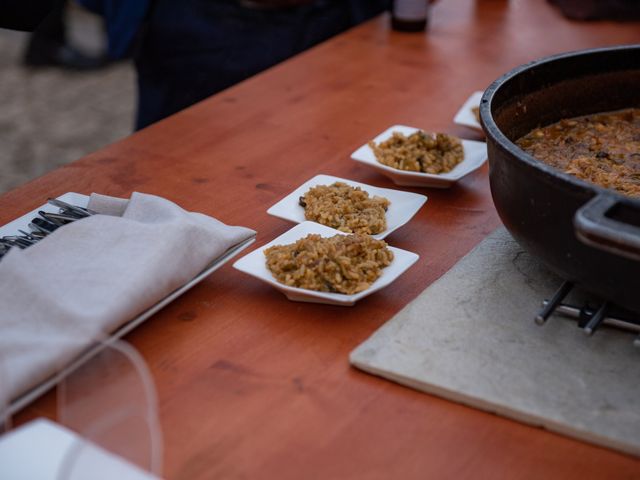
362, 10
48, 46
194, 48
51, 31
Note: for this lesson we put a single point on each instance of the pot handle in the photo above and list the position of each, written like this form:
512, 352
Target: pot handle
610, 223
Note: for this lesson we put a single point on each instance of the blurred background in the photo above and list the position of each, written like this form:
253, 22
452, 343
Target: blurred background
51, 115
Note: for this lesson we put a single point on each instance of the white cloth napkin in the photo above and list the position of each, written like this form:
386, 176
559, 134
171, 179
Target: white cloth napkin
88, 278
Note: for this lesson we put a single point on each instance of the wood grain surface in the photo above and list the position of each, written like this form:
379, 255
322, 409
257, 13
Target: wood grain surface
252, 385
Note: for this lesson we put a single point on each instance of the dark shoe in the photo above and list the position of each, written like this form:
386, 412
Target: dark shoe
62, 56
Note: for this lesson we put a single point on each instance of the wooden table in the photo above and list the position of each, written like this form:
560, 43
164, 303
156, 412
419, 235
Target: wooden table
252, 385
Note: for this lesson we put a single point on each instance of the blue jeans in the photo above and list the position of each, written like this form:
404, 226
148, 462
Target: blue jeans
191, 49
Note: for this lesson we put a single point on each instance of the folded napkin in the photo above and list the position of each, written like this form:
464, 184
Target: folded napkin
89, 277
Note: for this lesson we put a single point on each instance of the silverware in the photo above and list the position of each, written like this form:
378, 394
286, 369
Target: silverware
43, 225
67, 208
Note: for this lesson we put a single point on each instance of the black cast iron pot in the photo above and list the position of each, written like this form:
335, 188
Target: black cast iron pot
587, 234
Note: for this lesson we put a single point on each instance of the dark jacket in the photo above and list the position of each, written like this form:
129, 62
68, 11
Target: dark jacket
124, 18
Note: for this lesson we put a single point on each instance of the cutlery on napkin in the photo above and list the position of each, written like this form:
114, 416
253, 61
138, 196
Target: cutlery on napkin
91, 276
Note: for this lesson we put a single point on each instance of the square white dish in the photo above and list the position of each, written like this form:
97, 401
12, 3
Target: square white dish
43, 450
403, 206
475, 154
80, 200
465, 116
255, 265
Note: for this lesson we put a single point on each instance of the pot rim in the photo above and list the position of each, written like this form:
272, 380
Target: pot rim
492, 130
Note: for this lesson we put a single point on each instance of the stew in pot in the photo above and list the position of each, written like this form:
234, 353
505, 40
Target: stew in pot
602, 148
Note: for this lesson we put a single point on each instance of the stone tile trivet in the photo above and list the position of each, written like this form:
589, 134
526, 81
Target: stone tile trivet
470, 337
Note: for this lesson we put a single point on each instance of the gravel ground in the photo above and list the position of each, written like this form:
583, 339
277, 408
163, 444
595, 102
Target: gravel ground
49, 116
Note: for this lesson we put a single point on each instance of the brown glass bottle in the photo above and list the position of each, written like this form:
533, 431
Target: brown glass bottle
409, 15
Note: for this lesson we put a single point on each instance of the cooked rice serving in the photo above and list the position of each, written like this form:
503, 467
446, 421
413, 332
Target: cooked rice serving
345, 208
420, 152
340, 264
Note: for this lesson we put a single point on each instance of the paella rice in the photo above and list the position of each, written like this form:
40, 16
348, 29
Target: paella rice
602, 148
345, 208
345, 264
432, 153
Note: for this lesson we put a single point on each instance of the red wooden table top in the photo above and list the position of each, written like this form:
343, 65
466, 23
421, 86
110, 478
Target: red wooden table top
252, 385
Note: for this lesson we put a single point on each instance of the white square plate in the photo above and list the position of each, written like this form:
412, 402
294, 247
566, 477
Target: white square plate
465, 115
42, 450
255, 265
475, 154
403, 206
